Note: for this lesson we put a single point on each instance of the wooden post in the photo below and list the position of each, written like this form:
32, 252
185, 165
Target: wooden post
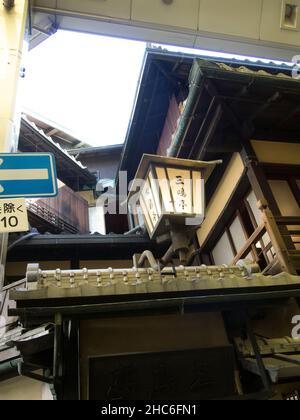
279, 234
278, 243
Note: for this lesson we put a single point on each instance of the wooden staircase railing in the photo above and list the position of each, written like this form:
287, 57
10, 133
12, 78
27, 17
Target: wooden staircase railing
50, 219
287, 257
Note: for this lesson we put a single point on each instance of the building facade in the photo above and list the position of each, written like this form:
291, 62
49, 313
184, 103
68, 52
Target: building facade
212, 329
227, 113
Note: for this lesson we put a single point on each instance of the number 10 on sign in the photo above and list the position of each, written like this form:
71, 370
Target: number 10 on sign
13, 215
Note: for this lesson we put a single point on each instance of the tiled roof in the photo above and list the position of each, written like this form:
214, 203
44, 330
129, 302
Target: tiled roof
247, 70
69, 170
49, 138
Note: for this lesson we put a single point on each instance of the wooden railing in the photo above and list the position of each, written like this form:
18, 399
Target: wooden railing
293, 254
51, 218
286, 257
251, 242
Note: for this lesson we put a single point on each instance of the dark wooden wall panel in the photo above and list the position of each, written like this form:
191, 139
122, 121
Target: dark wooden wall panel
169, 127
70, 206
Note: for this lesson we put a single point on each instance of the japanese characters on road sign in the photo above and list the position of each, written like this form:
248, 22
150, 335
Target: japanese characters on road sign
13, 215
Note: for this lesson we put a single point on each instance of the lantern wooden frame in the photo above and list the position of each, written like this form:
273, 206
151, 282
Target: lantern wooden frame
165, 192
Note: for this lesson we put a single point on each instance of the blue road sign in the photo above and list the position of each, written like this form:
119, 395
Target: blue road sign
27, 175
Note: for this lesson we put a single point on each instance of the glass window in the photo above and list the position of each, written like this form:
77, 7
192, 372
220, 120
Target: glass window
252, 200
222, 253
238, 235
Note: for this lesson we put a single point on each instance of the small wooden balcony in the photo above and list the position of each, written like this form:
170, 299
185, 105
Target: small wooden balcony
66, 213
284, 234
45, 220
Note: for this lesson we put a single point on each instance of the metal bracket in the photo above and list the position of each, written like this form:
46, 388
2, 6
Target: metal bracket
26, 369
147, 256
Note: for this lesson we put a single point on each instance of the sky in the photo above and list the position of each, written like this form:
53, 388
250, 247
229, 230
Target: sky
84, 83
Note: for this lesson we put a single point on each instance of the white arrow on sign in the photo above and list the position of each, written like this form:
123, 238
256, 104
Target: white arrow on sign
22, 175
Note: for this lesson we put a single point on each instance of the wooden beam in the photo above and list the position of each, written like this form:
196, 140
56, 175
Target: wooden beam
264, 194
191, 119
286, 118
274, 98
14, 285
247, 248
243, 128
71, 360
53, 131
280, 171
282, 253
257, 177
288, 221
295, 188
273, 134
210, 132
202, 127
224, 146
174, 82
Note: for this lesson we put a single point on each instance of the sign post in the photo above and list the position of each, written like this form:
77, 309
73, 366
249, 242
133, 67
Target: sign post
13, 215
23, 175
12, 34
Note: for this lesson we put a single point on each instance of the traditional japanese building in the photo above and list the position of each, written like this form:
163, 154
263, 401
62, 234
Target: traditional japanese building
217, 327
211, 110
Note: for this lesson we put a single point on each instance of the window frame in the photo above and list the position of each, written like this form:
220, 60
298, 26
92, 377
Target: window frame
236, 214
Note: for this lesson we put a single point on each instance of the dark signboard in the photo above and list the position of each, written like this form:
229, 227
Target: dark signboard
180, 375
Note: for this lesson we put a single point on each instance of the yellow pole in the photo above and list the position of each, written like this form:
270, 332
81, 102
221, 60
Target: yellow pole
12, 34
